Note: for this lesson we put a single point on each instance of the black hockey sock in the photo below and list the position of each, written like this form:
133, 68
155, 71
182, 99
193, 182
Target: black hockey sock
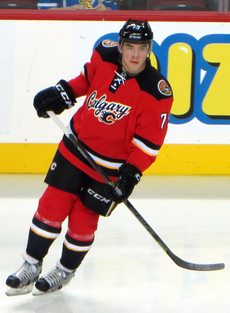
41, 237
74, 252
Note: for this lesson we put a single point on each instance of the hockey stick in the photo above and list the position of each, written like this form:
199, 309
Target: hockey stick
177, 260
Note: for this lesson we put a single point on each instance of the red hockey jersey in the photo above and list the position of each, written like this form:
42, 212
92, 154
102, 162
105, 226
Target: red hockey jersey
123, 119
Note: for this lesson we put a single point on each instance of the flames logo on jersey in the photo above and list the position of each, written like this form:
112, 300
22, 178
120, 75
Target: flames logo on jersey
109, 43
107, 112
164, 88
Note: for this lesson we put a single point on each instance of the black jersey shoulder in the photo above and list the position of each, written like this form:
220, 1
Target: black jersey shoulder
108, 50
153, 82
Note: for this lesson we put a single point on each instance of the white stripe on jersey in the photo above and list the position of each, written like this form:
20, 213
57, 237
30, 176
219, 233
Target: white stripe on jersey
144, 148
105, 163
108, 164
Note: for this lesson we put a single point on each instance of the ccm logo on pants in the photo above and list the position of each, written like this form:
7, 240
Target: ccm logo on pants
97, 196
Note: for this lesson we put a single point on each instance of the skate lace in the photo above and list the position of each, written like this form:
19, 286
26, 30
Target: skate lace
55, 276
26, 271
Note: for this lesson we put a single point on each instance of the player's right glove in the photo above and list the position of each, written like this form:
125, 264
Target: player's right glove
129, 176
56, 99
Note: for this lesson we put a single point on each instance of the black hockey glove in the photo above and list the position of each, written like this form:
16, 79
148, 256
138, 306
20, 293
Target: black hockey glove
56, 99
129, 176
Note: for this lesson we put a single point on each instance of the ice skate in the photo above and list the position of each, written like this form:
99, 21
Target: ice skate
54, 280
22, 281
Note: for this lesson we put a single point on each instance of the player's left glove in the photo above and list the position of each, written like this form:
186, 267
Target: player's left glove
56, 99
129, 176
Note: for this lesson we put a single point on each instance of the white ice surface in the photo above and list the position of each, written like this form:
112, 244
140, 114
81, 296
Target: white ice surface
126, 270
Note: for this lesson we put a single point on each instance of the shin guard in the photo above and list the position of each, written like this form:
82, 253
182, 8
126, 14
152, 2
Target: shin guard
74, 252
41, 237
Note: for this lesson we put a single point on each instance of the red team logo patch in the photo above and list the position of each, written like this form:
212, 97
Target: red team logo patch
164, 88
109, 43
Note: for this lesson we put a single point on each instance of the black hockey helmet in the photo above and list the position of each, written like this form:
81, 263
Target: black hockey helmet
136, 31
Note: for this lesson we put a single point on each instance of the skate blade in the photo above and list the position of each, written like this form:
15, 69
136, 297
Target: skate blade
37, 292
19, 291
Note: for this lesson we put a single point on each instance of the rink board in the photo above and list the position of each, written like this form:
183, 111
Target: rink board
172, 159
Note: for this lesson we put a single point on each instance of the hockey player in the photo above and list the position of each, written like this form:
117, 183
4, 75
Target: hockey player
122, 124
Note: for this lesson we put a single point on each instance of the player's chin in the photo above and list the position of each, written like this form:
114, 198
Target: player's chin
134, 68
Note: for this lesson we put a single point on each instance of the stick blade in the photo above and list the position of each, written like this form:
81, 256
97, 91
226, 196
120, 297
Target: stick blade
194, 266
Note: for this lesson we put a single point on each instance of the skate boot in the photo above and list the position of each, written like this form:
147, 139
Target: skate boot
22, 281
54, 280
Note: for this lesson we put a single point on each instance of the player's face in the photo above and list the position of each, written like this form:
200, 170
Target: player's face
134, 57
